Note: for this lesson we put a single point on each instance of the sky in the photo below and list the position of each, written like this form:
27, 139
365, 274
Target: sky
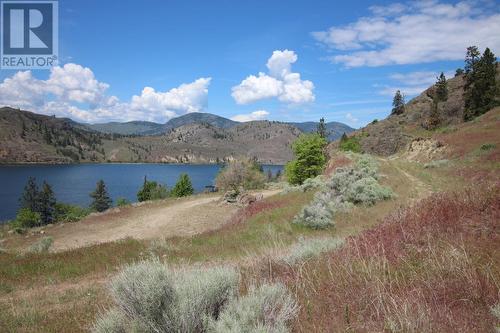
249, 60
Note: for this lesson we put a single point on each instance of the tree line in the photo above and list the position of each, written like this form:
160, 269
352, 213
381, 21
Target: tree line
481, 91
39, 206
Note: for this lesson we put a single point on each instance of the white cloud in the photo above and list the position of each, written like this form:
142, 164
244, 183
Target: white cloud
256, 115
413, 83
73, 91
280, 83
418, 32
351, 120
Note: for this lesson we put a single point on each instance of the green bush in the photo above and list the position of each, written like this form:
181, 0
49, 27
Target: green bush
309, 158
69, 213
487, 146
153, 298
159, 192
151, 190
183, 187
269, 308
42, 246
243, 173
25, 218
120, 202
350, 144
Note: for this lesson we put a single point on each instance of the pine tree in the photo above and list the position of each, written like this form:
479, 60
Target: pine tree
183, 187
101, 200
481, 90
471, 58
47, 204
322, 128
30, 196
441, 88
398, 103
343, 138
459, 72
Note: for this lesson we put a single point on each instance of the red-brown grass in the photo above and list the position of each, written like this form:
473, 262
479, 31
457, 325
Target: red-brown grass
253, 209
432, 267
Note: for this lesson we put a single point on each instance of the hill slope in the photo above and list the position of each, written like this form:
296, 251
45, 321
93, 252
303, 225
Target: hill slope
27, 137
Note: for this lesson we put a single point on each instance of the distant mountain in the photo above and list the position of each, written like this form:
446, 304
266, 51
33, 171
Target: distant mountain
27, 137
199, 118
128, 128
335, 129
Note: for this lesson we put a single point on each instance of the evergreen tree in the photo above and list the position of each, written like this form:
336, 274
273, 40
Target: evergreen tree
343, 138
322, 128
309, 159
145, 192
101, 200
398, 103
459, 72
30, 196
481, 90
47, 204
471, 58
183, 187
441, 94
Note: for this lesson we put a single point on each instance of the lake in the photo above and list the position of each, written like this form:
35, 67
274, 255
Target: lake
73, 183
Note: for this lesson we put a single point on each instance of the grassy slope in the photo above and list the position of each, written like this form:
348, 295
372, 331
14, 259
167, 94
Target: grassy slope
63, 292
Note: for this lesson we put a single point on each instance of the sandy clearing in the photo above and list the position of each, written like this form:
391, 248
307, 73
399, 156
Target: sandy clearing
169, 218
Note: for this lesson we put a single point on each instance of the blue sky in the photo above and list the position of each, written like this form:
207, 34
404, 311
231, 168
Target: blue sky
152, 60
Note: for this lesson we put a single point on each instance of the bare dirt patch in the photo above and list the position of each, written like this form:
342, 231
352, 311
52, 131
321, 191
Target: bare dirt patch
165, 219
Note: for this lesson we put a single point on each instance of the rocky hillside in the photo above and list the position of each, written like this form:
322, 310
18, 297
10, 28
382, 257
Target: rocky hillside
27, 137
388, 136
32, 138
203, 143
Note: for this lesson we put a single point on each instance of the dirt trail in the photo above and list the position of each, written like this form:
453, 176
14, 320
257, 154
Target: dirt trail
182, 217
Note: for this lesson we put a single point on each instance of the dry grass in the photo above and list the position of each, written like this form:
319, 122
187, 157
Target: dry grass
433, 267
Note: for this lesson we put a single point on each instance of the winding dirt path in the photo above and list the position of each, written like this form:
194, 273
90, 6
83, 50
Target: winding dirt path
167, 218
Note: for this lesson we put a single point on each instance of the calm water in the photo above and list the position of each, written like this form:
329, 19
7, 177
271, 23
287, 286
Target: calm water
73, 183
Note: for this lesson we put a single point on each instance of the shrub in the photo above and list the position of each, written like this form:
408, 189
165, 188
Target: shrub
269, 308
309, 158
153, 298
312, 183
201, 294
242, 173
487, 146
120, 202
308, 248
144, 193
69, 213
315, 215
346, 187
350, 144
436, 164
25, 218
183, 187
42, 246
367, 191
159, 192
